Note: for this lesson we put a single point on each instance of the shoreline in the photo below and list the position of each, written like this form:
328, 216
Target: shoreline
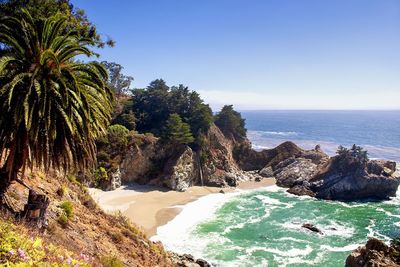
150, 207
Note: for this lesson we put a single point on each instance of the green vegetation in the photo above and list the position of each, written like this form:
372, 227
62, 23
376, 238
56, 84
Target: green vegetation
111, 261
117, 237
177, 132
68, 209
117, 81
118, 137
231, 123
154, 105
76, 18
355, 157
18, 249
52, 106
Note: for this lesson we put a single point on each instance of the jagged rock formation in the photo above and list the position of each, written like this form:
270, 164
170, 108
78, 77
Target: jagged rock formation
139, 160
374, 253
313, 173
181, 171
374, 180
187, 260
152, 162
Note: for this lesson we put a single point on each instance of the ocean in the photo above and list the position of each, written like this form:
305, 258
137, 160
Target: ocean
263, 227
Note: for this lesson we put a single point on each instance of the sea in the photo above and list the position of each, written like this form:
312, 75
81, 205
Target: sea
263, 227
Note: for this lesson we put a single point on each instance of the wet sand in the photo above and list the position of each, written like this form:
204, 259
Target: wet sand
150, 207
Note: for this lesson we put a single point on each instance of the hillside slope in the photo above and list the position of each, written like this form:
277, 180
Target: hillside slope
88, 230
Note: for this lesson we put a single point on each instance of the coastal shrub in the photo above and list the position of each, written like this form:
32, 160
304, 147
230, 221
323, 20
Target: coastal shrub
103, 156
100, 175
61, 191
117, 237
72, 179
17, 248
111, 261
63, 219
87, 200
68, 209
133, 231
117, 136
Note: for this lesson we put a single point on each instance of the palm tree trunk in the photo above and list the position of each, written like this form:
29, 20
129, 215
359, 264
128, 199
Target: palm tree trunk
17, 158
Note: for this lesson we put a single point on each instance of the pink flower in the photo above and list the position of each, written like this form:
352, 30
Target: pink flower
69, 260
21, 253
12, 252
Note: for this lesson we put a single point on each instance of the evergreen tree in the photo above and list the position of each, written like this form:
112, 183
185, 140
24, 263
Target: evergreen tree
231, 123
177, 131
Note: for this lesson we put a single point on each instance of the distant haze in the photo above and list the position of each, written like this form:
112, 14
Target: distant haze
260, 54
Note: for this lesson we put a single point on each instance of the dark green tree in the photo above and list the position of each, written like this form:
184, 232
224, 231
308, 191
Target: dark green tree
231, 123
117, 81
76, 18
354, 157
52, 107
177, 132
153, 106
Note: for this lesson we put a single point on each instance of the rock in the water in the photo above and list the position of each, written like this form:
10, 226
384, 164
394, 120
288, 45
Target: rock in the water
355, 183
301, 190
374, 253
336, 179
203, 263
312, 228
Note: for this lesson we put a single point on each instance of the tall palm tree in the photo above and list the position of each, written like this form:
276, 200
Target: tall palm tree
52, 106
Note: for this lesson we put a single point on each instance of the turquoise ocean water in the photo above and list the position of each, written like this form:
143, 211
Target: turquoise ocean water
263, 227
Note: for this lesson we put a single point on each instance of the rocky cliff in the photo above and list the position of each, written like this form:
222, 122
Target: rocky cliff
375, 253
150, 161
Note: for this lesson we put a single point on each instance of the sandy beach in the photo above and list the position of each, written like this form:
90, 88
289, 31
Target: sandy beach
150, 207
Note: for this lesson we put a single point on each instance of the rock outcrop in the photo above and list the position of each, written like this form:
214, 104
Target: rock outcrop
181, 172
313, 173
187, 260
250, 159
374, 253
219, 167
294, 171
373, 180
140, 160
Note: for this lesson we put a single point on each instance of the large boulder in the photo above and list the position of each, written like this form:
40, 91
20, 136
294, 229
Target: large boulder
372, 180
374, 253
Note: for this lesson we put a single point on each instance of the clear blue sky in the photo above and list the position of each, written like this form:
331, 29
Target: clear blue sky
260, 54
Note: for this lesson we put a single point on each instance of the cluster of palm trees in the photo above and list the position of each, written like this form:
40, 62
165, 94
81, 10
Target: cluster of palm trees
53, 105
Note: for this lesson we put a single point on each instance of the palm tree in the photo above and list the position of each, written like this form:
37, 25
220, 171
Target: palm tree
52, 106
